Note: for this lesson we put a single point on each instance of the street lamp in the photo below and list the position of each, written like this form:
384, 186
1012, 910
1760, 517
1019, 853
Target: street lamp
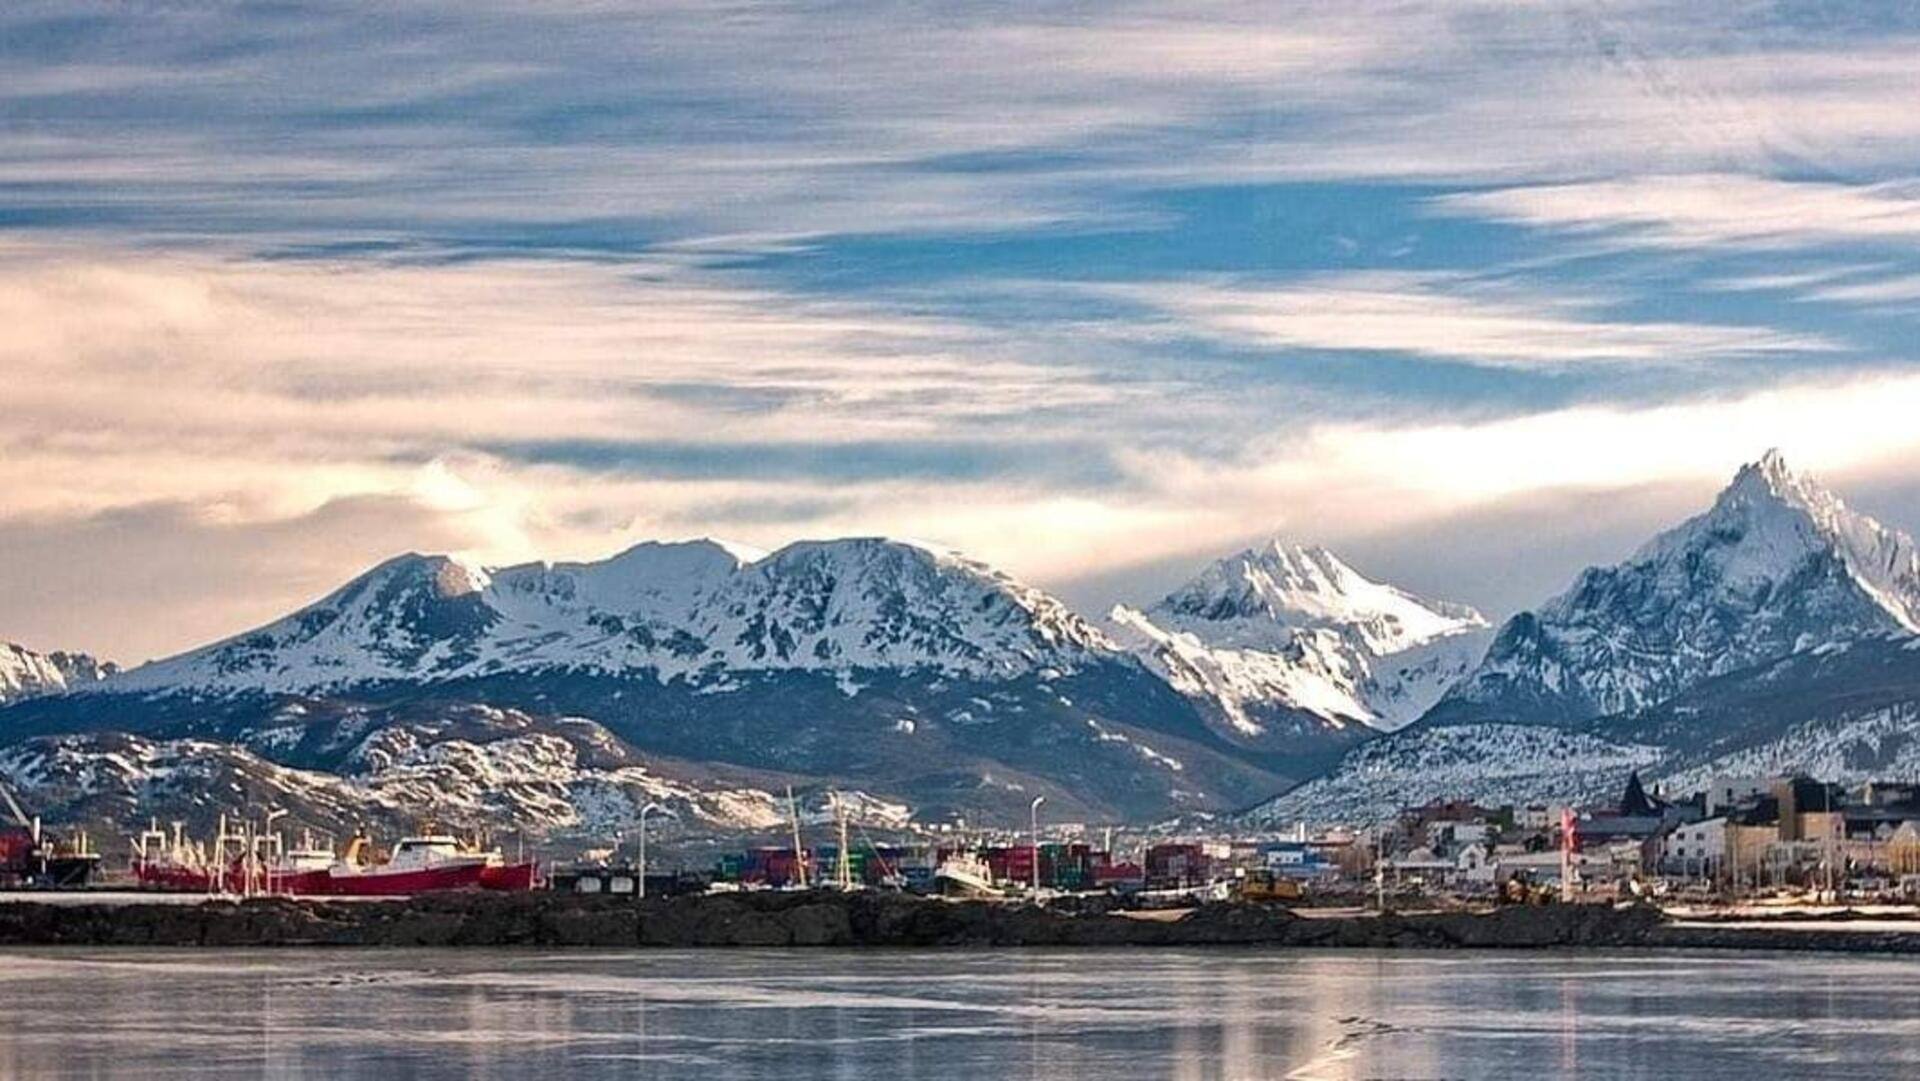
273, 815
1034, 810
644, 811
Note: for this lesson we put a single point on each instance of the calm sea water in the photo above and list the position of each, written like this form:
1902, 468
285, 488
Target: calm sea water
1107, 1014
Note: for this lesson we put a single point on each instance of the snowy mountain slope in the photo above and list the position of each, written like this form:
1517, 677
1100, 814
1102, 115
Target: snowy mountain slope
527, 783
1292, 637
699, 612
1489, 764
1788, 701
26, 674
504, 771
1845, 710
1777, 565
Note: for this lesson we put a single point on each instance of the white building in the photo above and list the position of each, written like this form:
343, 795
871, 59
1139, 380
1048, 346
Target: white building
1697, 849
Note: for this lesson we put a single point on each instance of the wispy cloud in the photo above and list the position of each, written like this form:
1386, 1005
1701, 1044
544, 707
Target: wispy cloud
1707, 210
313, 283
1448, 318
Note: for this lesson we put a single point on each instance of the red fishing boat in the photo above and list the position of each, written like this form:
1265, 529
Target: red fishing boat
426, 863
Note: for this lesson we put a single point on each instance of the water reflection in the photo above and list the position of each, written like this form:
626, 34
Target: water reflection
758, 1015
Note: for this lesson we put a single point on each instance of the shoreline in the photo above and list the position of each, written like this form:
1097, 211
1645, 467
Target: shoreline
880, 921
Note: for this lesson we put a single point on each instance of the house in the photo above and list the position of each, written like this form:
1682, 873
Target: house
1475, 863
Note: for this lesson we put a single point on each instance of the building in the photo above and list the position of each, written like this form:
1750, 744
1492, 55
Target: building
1696, 849
1726, 793
1296, 859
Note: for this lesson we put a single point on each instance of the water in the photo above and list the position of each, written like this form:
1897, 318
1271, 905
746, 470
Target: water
1107, 1014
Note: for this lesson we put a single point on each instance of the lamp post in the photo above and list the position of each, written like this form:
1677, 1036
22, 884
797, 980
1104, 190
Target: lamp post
644, 811
273, 816
1034, 810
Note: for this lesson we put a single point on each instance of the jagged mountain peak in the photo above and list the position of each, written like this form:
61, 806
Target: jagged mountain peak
1282, 631
1295, 587
1768, 486
25, 673
1778, 564
1770, 521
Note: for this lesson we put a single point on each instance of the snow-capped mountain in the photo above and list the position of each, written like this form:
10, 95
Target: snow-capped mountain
1285, 637
26, 674
1775, 632
700, 612
894, 668
1778, 565
1847, 711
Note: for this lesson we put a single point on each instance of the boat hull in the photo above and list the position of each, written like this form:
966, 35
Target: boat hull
510, 877
340, 882
383, 883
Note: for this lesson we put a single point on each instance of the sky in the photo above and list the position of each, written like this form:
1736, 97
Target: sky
1475, 293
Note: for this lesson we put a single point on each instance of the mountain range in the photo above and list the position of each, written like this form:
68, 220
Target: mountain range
1776, 630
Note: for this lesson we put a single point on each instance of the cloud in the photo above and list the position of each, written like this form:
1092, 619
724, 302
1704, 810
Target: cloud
1893, 291
759, 123
1445, 317
541, 280
1707, 210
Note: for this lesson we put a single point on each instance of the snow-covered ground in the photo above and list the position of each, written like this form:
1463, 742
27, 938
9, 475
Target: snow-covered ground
1493, 764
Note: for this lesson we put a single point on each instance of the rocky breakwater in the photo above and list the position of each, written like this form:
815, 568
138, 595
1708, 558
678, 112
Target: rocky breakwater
789, 919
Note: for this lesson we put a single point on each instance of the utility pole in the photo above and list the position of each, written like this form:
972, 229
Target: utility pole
1034, 810
1826, 799
644, 811
1379, 869
843, 866
799, 855
1566, 855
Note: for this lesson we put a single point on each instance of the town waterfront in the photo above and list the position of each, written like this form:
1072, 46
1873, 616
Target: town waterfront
946, 1014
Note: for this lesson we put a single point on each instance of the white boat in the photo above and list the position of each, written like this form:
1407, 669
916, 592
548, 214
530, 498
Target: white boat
965, 874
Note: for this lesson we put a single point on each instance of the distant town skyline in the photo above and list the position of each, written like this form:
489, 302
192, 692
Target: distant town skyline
1475, 294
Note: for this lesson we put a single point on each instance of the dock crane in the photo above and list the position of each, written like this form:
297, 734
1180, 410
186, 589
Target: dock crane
20, 852
27, 860
31, 825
